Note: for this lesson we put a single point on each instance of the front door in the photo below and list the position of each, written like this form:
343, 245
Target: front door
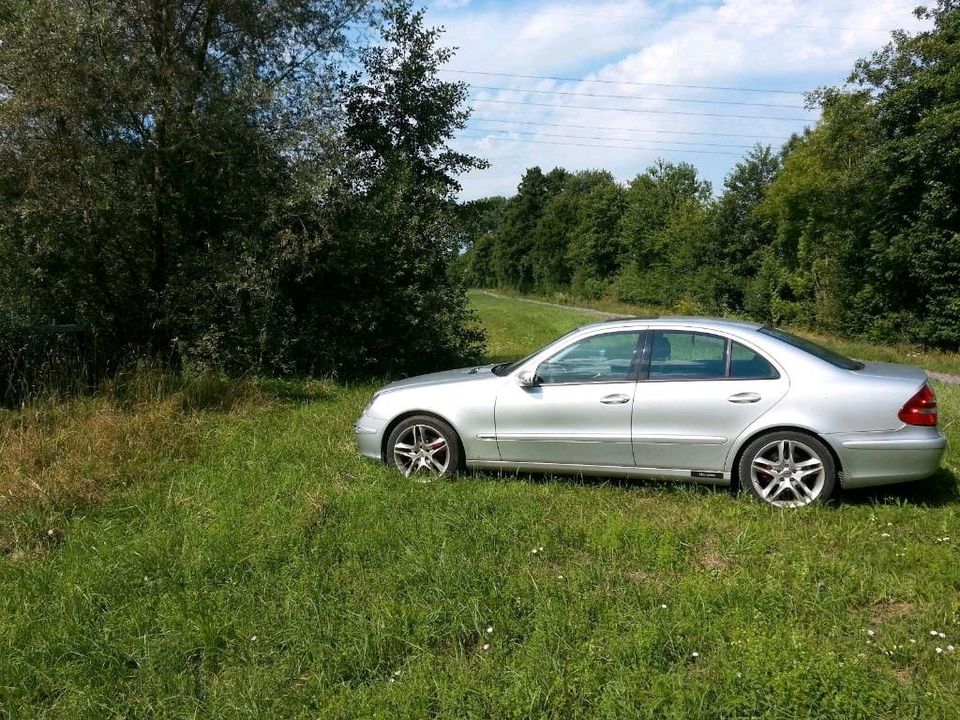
579, 410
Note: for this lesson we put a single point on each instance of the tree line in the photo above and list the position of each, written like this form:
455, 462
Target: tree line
256, 186
852, 226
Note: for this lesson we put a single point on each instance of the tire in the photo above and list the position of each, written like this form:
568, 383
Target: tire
424, 446
788, 469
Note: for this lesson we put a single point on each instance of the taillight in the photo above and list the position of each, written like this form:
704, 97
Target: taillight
921, 409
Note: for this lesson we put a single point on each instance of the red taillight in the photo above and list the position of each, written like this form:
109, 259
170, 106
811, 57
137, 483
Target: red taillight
921, 409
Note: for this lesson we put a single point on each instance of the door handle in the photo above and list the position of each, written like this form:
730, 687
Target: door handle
744, 397
616, 399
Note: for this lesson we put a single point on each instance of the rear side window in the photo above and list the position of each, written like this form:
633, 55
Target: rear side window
745, 364
688, 355
679, 355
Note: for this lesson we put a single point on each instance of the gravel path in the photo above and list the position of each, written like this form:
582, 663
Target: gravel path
942, 377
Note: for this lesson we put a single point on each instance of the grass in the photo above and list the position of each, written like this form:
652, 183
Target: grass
267, 571
936, 360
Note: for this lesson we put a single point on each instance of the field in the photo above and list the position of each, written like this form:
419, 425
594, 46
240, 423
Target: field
204, 548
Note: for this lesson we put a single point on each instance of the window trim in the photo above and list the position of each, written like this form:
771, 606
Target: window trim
644, 375
632, 374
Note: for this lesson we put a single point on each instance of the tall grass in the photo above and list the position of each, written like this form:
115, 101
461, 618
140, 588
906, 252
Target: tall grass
268, 571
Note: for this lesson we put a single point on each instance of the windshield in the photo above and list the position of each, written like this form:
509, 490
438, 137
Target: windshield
834, 358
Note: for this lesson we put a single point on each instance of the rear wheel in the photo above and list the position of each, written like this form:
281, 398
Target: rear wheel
424, 446
788, 469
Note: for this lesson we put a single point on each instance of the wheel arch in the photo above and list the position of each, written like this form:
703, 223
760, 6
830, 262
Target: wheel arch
388, 431
745, 443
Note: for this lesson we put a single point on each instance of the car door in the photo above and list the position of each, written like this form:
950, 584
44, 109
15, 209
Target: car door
579, 409
698, 392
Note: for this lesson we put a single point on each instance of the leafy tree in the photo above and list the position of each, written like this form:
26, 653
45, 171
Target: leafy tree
595, 252
513, 248
477, 223
198, 180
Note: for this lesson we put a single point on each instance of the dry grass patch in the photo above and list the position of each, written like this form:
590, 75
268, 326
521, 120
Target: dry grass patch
72, 453
59, 454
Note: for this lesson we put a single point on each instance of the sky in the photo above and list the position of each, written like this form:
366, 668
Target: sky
617, 85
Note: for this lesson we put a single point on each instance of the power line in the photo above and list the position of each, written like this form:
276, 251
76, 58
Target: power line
694, 21
611, 139
624, 129
637, 97
644, 111
624, 82
607, 147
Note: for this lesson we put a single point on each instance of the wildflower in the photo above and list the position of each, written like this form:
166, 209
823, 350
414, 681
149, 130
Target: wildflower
950, 648
870, 633
396, 673
490, 630
939, 650
933, 633
695, 655
559, 577
486, 646
885, 534
50, 532
253, 638
913, 641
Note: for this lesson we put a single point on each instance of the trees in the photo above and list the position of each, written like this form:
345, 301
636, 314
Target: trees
198, 180
853, 226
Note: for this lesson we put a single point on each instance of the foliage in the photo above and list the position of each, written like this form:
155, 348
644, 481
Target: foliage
854, 226
198, 181
276, 574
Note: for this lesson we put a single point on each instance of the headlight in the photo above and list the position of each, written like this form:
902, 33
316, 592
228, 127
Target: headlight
372, 401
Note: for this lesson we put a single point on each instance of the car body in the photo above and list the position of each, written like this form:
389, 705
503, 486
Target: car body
672, 397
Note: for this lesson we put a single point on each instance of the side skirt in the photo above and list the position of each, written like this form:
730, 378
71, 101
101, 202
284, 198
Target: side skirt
697, 476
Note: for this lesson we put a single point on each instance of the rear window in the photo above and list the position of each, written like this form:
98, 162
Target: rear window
834, 358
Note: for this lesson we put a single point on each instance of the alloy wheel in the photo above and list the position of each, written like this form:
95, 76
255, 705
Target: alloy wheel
787, 473
421, 449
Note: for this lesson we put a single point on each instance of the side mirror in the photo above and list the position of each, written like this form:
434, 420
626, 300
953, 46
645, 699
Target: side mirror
527, 379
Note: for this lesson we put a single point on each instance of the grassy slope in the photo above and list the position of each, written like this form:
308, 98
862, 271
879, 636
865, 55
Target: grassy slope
936, 360
277, 574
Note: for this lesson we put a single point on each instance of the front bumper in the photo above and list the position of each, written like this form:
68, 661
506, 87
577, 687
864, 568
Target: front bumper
883, 458
369, 433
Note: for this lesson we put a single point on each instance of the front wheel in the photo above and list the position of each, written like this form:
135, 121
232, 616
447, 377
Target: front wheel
788, 469
425, 446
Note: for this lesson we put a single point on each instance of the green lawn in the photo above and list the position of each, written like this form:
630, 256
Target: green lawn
936, 360
270, 572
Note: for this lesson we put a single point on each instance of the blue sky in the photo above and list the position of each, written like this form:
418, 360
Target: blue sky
624, 71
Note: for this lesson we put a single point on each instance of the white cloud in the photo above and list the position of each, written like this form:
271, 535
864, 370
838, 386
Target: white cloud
739, 43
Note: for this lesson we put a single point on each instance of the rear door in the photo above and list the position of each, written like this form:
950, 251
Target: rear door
698, 392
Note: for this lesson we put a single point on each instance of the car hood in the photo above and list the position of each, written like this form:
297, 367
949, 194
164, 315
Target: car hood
468, 374
893, 370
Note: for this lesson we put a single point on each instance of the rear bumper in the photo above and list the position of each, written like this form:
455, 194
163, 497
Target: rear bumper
888, 457
369, 434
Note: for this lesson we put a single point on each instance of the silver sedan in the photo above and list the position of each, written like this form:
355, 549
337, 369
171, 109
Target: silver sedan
714, 401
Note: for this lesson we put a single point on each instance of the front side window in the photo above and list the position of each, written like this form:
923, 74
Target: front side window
601, 358
684, 355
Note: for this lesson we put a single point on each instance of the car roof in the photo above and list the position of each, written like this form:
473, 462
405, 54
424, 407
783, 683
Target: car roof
668, 320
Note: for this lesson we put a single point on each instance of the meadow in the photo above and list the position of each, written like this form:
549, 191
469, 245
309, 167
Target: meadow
196, 547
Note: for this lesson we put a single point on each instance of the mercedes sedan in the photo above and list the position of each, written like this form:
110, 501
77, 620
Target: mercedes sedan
714, 401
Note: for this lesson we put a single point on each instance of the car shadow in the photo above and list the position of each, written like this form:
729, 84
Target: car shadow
938, 490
